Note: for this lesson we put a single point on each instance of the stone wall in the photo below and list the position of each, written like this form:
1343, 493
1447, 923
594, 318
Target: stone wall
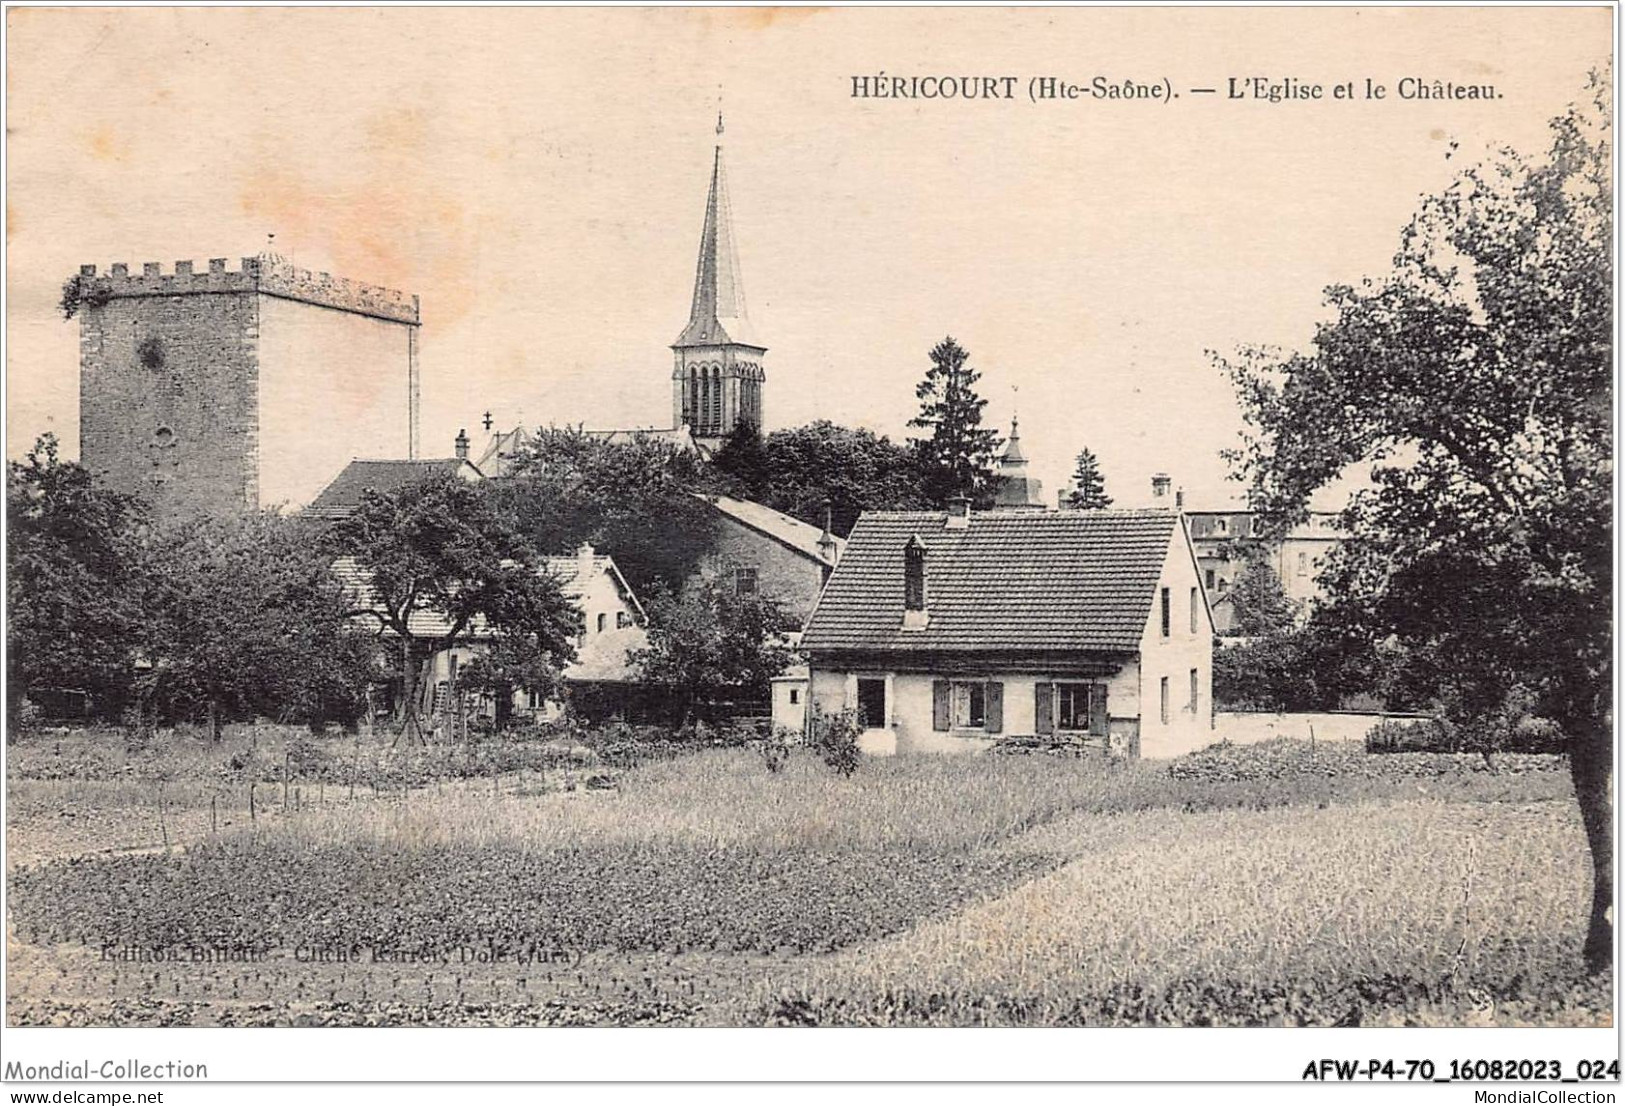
168, 398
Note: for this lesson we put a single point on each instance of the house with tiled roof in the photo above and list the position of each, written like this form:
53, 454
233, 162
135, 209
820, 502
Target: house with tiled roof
612, 628
950, 631
755, 549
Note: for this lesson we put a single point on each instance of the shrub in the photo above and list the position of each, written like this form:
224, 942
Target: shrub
775, 749
1424, 735
835, 736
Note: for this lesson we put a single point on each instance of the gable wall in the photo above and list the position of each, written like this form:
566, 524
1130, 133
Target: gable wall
792, 578
1174, 657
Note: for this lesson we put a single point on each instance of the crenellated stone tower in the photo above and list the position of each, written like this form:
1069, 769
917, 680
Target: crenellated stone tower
717, 379
229, 388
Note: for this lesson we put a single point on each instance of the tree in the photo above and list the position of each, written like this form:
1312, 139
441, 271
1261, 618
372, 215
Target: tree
1088, 485
634, 499
73, 579
442, 561
957, 456
706, 641
1260, 603
822, 466
244, 615
743, 460
1473, 381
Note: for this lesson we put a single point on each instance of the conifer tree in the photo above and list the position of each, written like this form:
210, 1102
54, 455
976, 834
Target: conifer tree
1088, 485
957, 456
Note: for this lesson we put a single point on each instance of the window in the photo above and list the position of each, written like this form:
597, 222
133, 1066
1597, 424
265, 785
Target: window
1193, 610
970, 705
1224, 586
1303, 564
1210, 579
967, 705
1072, 707
795, 696
622, 620
603, 623
534, 698
914, 575
1167, 613
1165, 700
1075, 708
1221, 526
872, 703
1196, 687
744, 581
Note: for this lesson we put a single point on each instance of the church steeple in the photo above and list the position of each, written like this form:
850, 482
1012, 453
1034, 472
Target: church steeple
717, 380
1016, 487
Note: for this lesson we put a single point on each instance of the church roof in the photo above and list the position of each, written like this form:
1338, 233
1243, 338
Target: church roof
718, 315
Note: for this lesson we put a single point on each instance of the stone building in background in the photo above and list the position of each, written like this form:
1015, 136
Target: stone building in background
219, 389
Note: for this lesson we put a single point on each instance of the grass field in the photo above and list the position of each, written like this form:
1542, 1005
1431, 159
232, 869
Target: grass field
1278, 885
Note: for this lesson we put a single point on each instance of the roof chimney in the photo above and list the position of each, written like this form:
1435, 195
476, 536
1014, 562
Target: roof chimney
462, 445
1179, 500
584, 559
1160, 485
958, 512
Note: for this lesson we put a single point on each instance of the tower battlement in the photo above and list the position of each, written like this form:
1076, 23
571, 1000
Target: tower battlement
254, 275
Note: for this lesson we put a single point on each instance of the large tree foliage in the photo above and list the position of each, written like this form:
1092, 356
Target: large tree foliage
957, 454
443, 562
742, 461
1259, 603
1473, 382
244, 615
632, 499
707, 642
821, 466
73, 579
1088, 491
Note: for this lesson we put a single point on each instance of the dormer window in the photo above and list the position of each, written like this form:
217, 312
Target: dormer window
914, 575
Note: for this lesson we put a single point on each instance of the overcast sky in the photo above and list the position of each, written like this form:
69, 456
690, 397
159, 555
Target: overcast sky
538, 177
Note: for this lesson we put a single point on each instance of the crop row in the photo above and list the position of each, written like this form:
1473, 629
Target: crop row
254, 894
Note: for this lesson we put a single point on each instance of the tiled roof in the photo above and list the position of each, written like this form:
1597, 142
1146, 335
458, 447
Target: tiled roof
1009, 581
343, 495
785, 529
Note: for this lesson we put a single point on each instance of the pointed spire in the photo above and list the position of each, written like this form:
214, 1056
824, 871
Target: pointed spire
718, 315
1016, 487
1013, 456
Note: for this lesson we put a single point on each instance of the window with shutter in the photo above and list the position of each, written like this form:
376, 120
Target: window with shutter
1193, 610
1099, 720
995, 706
1167, 613
940, 691
1165, 700
1043, 708
969, 704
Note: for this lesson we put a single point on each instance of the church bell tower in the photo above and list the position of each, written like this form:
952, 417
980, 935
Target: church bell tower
717, 377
